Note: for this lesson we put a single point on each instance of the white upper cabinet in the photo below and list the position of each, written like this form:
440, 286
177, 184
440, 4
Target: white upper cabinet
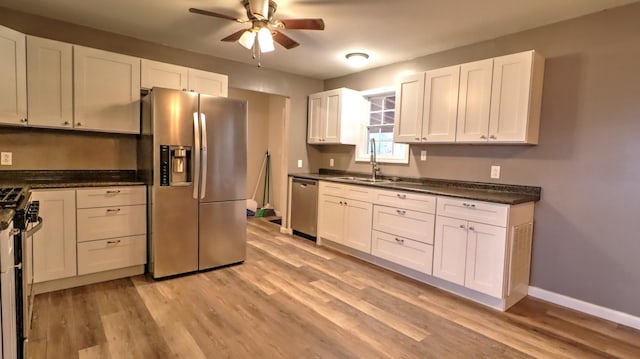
474, 101
159, 74
208, 83
489, 101
335, 116
13, 77
427, 106
50, 83
106, 91
516, 97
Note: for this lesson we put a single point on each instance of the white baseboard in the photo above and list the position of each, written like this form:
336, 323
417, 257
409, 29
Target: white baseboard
585, 307
286, 230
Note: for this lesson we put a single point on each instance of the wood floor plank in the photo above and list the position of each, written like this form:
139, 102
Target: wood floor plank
291, 299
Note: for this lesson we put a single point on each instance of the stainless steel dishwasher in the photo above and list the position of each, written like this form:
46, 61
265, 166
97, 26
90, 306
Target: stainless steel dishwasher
304, 207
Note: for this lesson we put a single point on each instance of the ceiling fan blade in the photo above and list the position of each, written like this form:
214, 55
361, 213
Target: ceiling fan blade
234, 37
214, 14
284, 40
303, 24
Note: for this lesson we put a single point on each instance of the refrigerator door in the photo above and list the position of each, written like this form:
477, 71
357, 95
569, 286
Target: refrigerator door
173, 209
222, 233
224, 143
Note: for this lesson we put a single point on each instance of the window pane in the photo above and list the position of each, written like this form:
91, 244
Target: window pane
376, 103
375, 118
390, 103
389, 117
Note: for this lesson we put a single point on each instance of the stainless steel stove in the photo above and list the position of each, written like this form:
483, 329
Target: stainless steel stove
19, 219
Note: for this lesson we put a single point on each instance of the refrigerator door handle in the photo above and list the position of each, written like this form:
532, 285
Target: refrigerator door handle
203, 188
196, 142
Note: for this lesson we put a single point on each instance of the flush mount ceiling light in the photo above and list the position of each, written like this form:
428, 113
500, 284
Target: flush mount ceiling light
357, 59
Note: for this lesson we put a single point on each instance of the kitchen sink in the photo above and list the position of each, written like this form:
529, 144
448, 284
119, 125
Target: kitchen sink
362, 179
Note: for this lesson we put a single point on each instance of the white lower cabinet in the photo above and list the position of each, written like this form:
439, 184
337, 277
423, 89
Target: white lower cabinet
344, 220
54, 246
404, 251
89, 230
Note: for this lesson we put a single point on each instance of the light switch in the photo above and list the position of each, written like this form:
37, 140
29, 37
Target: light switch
299, 163
495, 172
331, 162
423, 155
6, 158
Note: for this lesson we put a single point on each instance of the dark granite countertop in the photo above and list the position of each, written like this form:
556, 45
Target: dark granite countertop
70, 178
481, 191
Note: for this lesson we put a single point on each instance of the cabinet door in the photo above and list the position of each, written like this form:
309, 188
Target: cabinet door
330, 218
50, 90
332, 117
158, 74
510, 97
314, 124
357, 225
106, 91
486, 259
409, 108
440, 104
449, 249
208, 83
54, 246
13, 77
474, 103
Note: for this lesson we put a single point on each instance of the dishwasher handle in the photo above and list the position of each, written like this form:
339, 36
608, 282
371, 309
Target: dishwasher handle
305, 182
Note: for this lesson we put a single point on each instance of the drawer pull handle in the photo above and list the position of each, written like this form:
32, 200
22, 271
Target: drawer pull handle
469, 205
113, 242
462, 226
402, 196
401, 212
113, 191
401, 241
112, 210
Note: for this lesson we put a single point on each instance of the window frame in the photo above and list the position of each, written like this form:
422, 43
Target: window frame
361, 154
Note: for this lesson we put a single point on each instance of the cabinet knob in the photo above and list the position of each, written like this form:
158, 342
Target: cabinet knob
462, 226
493, 137
345, 203
65, 123
78, 124
341, 203
471, 228
417, 138
23, 120
424, 138
483, 137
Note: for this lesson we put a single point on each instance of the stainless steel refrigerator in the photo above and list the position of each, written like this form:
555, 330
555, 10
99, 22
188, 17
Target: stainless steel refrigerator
193, 152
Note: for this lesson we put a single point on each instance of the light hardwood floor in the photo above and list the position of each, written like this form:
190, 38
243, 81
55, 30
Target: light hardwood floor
291, 299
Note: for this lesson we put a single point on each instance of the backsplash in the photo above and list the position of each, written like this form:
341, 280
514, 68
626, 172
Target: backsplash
42, 149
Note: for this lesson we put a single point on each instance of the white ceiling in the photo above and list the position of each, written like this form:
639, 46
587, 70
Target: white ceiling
389, 30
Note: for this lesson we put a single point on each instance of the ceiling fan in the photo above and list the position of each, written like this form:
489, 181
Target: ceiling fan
264, 27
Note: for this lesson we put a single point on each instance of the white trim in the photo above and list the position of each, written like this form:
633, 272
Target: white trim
585, 307
377, 91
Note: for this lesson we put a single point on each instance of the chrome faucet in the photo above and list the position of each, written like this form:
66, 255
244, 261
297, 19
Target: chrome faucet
374, 165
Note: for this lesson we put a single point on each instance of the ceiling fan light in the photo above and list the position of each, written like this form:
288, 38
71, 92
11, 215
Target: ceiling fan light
265, 40
247, 39
357, 59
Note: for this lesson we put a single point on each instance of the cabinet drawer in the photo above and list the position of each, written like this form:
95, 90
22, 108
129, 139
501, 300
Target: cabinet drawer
403, 251
111, 222
103, 255
477, 211
406, 200
331, 189
359, 193
414, 225
115, 196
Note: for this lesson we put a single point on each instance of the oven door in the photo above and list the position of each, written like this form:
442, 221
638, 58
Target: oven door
8, 293
26, 278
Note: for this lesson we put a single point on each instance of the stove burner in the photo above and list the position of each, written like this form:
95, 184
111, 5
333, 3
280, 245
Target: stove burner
10, 196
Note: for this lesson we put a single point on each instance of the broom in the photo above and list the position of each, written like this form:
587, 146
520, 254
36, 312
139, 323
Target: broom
266, 210
252, 205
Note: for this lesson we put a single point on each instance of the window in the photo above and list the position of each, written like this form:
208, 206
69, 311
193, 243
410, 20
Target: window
379, 126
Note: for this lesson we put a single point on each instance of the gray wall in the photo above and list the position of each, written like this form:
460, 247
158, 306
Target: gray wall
586, 244
241, 76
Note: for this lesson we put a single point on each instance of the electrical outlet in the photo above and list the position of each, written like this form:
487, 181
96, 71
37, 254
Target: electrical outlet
495, 172
423, 155
299, 163
331, 162
6, 158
